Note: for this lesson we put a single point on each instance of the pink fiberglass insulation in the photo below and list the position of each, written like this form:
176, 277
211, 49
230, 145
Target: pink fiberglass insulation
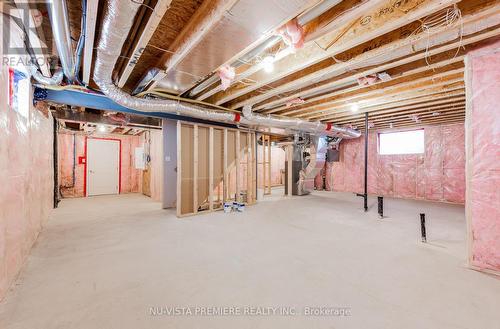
277, 165
437, 175
26, 175
483, 158
70, 142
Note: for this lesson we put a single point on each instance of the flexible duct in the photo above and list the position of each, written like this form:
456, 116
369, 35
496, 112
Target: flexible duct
117, 22
316, 127
56, 79
59, 20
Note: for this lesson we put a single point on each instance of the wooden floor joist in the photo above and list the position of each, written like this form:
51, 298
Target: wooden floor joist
358, 33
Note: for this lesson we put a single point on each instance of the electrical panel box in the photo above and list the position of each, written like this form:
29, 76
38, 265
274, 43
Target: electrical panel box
332, 155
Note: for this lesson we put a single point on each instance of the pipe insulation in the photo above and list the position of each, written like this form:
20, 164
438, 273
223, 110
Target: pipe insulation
117, 23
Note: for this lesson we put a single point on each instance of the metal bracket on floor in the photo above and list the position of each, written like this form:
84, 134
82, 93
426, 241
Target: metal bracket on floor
380, 206
422, 228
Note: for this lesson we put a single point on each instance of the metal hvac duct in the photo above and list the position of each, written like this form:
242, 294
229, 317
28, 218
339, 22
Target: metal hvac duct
56, 79
117, 23
59, 21
315, 127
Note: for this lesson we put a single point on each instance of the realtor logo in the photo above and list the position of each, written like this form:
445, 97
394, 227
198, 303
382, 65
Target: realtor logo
21, 23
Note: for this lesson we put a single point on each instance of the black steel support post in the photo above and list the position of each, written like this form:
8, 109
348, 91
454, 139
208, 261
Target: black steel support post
365, 197
380, 206
422, 227
55, 163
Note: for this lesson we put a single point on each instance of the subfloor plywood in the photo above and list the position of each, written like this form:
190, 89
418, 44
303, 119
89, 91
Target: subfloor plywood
103, 262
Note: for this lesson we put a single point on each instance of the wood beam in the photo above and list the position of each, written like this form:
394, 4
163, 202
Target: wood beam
225, 173
159, 11
88, 50
238, 166
211, 168
179, 170
195, 168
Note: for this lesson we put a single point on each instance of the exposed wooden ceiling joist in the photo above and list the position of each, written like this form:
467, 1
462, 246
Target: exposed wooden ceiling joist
450, 95
380, 58
353, 39
154, 20
438, 91
397, 111
90, 25
384, 89
382, 20
207, 15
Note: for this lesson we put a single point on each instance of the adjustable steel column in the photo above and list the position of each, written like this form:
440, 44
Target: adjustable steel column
365, 194
365, 197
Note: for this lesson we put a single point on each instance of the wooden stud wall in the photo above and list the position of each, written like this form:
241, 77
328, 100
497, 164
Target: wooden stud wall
266, 164
214, 165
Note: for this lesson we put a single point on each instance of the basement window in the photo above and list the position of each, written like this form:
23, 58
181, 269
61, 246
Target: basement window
402, 142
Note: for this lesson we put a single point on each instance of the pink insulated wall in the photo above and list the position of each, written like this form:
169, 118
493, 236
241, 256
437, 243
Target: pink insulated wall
277, 165
483, 156
26, 181
70, 143
438, 174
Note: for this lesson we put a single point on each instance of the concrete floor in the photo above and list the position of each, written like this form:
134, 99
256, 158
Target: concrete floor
103, 262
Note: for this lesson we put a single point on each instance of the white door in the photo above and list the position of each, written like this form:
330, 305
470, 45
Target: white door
103, 166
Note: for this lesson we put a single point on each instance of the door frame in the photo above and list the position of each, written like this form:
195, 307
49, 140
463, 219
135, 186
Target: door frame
119, 164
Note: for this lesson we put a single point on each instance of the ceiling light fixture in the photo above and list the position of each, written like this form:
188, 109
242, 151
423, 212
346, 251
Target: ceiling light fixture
268, 63
354, 107
101, 128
